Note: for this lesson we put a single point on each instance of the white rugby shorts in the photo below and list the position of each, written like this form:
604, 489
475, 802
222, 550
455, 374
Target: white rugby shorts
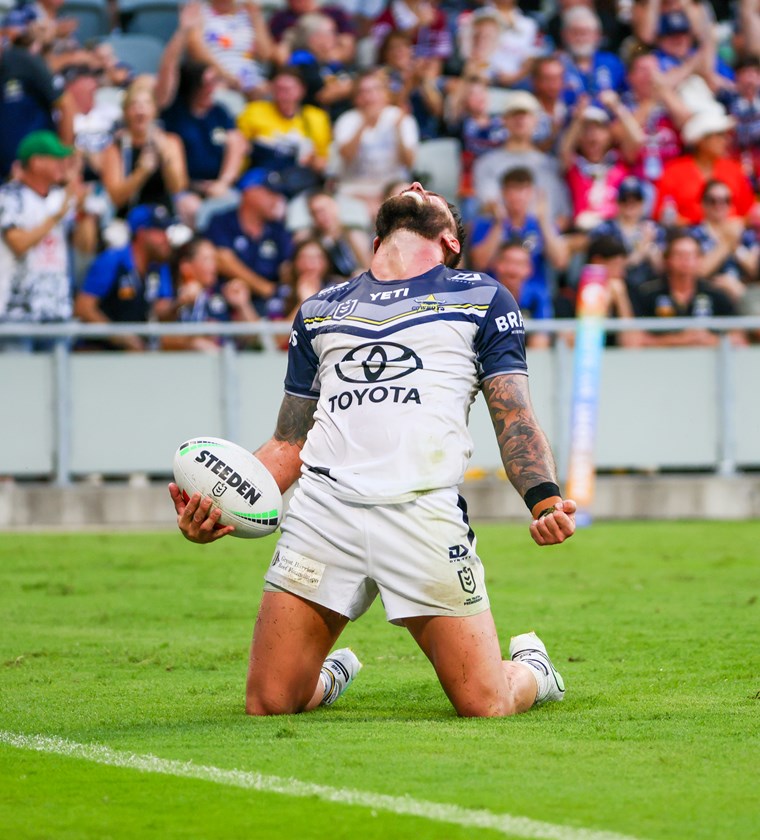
420, 556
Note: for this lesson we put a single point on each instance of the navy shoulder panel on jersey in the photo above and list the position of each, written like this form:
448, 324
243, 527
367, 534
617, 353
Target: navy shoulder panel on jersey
302, 376
373, 308
500, 340
367, 307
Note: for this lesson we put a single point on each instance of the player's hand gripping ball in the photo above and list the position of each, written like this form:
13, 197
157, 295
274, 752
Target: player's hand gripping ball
235, 480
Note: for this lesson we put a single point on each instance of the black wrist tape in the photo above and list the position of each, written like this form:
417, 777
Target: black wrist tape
542, 491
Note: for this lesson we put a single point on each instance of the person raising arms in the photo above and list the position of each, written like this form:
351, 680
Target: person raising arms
382, 371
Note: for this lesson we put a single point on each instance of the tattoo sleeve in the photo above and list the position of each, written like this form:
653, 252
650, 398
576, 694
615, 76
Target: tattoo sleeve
295, 419
524, 448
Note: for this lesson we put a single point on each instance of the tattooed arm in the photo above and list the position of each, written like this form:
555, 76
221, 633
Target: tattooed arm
526, 454
281, 454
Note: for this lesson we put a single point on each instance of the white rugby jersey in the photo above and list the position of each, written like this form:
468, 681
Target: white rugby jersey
395, 367
37, 285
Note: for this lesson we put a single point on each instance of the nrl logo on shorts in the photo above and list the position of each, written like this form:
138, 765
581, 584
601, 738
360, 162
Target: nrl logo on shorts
467, 579
343, 310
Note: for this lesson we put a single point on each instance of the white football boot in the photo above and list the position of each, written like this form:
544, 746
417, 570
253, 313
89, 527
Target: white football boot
531, 651
338, 672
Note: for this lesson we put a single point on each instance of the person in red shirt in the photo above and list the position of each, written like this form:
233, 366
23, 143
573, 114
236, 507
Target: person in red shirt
683, 181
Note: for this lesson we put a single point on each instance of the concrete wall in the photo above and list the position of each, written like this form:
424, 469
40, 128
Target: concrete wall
118, 506
127, 413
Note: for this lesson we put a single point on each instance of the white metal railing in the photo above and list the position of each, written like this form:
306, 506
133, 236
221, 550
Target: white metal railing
75, 329
65, 334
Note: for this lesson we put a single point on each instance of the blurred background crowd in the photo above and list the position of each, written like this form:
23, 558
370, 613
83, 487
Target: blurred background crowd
223, 161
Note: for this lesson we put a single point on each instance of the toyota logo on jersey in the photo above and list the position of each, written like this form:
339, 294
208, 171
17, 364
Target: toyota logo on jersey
378, 361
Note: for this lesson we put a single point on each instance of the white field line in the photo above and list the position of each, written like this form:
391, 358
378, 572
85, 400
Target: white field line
403, 805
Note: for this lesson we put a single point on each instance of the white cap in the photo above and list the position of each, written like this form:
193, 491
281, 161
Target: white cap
521, 100
594, 114
711, 121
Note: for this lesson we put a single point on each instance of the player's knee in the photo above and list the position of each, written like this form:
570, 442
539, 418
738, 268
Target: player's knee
486, 704
261, 705
263, 700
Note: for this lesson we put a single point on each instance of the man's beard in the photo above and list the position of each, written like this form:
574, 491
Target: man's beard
405, 212
582, 50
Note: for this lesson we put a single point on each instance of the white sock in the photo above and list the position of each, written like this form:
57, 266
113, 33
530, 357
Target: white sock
540, 672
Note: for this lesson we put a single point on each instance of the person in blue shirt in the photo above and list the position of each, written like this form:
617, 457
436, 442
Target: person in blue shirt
588, 70
678, 56
726, 244
642, 238
513, 267
202, 297
252, 241
29, 97
522, 215
214, 147
329, 84
130, 284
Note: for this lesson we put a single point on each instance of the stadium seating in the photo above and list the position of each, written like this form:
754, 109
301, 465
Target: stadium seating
497, 100
92, 16
232, 100
353, 213
439, 166
269, 7
158, 18
211, 206
109, 96
141, 52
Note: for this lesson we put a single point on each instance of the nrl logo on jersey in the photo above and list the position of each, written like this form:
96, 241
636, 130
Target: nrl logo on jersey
344, 309
428, 304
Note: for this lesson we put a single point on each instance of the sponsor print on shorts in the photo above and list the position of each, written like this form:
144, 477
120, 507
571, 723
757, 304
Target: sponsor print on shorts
294, 567
467, 580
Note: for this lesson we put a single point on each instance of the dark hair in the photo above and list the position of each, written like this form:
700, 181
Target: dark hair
461, 231
185, 253
520, 176
747, 62
289, 70
713, 182
605, 247
676, 235
539, 63
511, 243
312, 240
291, 299
393, 35
424, 221
190, 248
190, 79
370, 72
310, 195
637, 53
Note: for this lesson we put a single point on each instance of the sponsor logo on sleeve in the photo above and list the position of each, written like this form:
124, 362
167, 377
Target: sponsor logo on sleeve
511, 322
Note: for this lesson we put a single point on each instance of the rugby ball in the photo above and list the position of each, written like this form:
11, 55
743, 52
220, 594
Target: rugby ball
237, 482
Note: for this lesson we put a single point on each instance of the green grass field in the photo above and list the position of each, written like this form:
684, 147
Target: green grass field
139, 642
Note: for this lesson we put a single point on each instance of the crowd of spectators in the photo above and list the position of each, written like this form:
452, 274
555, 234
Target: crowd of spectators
243, 175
